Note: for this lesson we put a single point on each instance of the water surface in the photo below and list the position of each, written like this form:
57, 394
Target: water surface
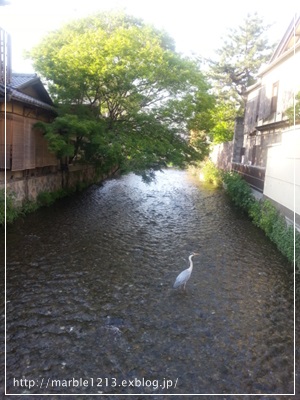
89, 295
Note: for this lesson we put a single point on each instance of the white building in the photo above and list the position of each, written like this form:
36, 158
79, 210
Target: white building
269, 158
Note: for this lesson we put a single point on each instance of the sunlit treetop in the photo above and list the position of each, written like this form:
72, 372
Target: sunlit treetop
130, 73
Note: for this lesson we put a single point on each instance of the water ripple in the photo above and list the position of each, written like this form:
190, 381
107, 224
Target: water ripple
89, 290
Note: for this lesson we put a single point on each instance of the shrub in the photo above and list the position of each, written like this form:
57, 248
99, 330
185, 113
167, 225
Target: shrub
239, 191
11, 211
283, 236
29, 207
269, 217
264, 215
48, 198
208, 172
45, 199
211, 173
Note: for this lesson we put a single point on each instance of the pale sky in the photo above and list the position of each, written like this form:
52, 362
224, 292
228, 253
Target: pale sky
196, 26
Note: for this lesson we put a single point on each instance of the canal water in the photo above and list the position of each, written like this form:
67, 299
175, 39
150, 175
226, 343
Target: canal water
91, 308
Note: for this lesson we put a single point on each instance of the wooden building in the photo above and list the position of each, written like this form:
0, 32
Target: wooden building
27, 102
26, 165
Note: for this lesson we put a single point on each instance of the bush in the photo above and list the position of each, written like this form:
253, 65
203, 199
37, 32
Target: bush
283, 236
208, 172
264, 215
239, 191
45, 199
211, 173
48, 198
269, 217
29, 207
11, 211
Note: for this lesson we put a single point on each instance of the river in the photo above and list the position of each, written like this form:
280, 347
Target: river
91, 308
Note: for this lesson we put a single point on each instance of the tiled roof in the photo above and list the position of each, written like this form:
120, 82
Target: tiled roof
19, 80
30, 100
22, 97
18, 83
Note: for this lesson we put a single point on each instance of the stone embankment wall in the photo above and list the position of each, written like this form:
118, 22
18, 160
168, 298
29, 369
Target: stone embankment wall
28, 187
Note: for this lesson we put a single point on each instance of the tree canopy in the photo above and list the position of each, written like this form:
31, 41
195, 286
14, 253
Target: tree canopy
125, 95
244, 51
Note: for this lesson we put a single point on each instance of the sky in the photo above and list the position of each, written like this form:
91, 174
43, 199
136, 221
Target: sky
198, 27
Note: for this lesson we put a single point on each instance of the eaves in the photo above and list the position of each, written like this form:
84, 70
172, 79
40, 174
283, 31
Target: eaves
272, 125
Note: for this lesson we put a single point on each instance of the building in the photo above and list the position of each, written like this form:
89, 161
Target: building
27, 102
23, 150
269, 157
26, 164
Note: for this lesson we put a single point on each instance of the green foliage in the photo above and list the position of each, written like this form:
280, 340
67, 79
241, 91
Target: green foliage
46, 199
238, 190
244, 51
28, 207
210, 173
65, 134
134, 97
199, 142
283, 236
223, 117
264, 215
293, 113
268, 217
11, 211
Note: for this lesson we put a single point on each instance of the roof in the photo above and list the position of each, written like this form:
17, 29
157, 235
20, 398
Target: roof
290, 39
13, 94
20, 83
19, 80
289, 44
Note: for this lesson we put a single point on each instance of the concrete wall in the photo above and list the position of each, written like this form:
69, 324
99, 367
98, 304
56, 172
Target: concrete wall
282, 180
221, 155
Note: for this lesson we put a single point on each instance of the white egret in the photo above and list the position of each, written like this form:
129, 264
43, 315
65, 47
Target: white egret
185, 275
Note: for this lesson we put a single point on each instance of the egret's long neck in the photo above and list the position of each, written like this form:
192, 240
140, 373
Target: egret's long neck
191, 262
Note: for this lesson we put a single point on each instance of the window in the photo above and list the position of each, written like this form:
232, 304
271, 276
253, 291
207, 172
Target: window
274, 98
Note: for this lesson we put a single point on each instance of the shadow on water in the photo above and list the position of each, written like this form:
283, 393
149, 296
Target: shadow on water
90, 297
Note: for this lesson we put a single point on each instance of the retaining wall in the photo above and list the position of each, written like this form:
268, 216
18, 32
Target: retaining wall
221, 155
28, 187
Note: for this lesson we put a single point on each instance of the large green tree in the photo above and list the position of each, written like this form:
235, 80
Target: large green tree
244, 51
126, 77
